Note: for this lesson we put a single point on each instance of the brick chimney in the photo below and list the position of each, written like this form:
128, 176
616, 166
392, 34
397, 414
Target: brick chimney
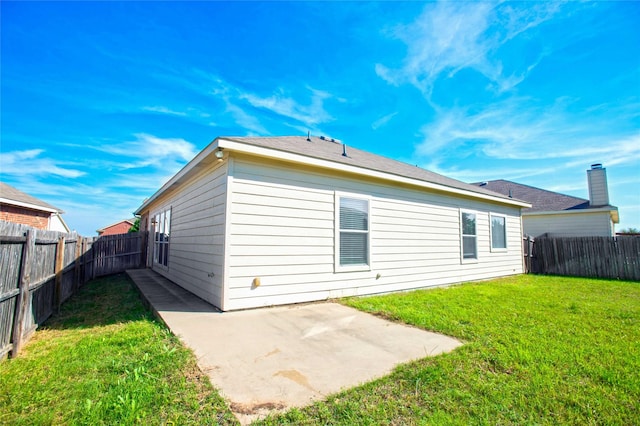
598, 190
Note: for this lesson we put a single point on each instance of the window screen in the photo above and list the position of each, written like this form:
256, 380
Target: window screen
498, 232
354, 231
469, 237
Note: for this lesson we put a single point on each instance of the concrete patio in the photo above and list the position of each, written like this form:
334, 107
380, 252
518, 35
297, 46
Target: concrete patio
277, 358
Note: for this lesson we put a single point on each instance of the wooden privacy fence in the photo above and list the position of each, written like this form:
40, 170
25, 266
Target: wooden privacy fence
527, 251
39, 270
595, 257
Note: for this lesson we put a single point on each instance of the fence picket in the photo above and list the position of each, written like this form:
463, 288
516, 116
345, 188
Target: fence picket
23, 295
41, 269
595, 257
58, 271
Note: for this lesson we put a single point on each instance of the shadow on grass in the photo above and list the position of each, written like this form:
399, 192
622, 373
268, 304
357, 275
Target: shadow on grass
103, 301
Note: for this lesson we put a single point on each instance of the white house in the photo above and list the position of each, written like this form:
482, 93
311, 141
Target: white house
562, 215
253, 222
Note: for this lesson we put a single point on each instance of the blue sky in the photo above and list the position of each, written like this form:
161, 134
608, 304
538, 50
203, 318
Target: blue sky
102, 102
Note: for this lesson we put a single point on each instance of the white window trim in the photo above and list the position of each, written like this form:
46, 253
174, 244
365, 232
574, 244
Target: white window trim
506, 243
336, 227
462, 258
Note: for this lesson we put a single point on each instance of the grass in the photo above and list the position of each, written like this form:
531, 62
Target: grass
105, 360
539, 350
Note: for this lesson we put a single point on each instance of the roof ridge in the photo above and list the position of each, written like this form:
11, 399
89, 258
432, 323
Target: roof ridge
533, 187
369, 160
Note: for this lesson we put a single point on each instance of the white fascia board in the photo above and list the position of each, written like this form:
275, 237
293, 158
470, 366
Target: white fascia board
297, 158
27, 205
181, 174
612, 211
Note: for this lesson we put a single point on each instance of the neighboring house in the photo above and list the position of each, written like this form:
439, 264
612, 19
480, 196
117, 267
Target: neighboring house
121, 227
253, 222
18, 207
563, 215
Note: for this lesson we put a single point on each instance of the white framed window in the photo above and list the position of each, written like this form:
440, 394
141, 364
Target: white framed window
161, 232
468, 236
352, 233
498, 232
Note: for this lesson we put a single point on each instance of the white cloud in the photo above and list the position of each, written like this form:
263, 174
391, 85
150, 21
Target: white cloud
517, 129
450, 36
163, 110
151, 150
29, 162
238, 102
245, 120
311, 114
383, 120
490, 172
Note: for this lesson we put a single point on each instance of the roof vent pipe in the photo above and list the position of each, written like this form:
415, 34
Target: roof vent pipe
308, 136
344, 150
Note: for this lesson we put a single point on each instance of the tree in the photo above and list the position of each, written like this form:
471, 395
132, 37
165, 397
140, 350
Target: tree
136, 226
629, 231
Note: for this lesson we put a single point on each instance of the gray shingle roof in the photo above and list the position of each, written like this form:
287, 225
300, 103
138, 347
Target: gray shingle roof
326, 149
540, 199
13, 194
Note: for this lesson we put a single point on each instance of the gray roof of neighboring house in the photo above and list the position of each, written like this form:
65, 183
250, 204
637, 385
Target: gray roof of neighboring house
10, 193
540, 199
327, 149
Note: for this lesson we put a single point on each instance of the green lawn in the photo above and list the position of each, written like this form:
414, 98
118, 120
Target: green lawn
539, 350
105, 360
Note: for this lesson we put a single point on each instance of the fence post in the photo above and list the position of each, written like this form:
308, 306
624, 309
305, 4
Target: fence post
76, 264
59, 272
83, 263
530, 251
94, 260
143, 249
22, 301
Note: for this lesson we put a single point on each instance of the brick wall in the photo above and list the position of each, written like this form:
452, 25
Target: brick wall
23, 216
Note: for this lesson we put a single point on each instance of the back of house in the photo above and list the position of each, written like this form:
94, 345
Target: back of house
253, 222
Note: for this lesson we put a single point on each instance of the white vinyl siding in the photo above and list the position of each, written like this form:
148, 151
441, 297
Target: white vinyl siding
577, 224
196, 258
282, 230
498, 232
352, 233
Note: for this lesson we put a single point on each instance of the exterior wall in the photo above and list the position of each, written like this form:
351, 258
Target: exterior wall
196, 243
120, 228
56, 223
35, 218
281, 230
579, 224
